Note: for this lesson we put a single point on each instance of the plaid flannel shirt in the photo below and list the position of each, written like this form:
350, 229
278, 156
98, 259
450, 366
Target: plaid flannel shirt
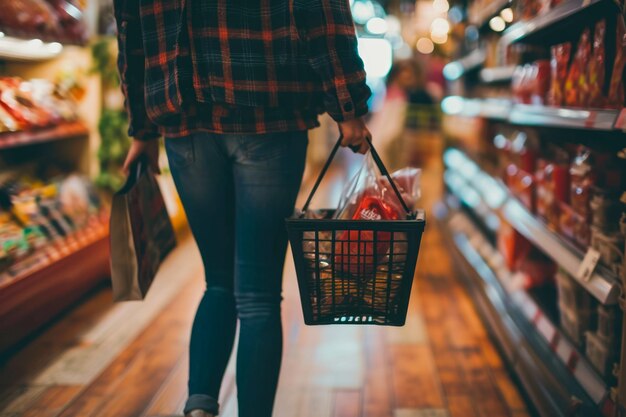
237, 66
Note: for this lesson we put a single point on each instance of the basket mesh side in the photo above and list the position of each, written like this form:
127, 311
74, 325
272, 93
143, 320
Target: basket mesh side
355, 276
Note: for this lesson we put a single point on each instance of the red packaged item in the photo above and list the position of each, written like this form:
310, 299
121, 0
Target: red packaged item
371, 197
536, 269
596, 68
583, 178
29, 18
576, 84
541, 85
512, 245
72, 25
616, 88
558, 67
354, 249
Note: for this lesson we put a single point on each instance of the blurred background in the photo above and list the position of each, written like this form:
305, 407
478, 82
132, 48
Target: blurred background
514, 111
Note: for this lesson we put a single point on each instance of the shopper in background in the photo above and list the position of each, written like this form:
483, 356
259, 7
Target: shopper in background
233, 87
406, 86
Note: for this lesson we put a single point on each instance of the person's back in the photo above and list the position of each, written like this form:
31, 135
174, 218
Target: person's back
234, 85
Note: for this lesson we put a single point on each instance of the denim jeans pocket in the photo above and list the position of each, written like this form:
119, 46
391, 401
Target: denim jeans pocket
180, 151
271, 146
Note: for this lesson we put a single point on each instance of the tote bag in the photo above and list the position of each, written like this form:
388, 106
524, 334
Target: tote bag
141, 234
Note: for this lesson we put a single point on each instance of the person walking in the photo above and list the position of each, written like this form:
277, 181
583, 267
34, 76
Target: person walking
233, 86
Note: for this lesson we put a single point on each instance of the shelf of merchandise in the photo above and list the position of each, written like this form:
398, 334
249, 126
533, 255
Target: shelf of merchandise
560, 14
15, 49
556, 376
63, 131
481, 18
469, 179
497, 74
55, 276
535, 115
456, 69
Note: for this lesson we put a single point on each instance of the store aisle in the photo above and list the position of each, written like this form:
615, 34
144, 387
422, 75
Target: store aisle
104, 360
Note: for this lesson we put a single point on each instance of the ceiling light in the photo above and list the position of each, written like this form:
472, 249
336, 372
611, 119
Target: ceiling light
425, 46
376, 26
497, 24
507, 15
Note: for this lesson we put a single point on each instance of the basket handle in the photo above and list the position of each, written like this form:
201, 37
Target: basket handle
379, 164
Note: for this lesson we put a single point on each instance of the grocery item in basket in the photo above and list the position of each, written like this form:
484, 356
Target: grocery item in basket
558, 64
616, 88
356, 250
371, 197
596, 67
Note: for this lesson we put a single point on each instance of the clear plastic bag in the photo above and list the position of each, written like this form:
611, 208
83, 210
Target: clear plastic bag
370, 196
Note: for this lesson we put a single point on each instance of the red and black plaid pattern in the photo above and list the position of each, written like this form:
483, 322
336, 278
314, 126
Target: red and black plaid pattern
237, 66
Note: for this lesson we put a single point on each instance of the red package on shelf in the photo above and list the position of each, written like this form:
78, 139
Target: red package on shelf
558, 66
29, 18
541, 85
616, 88
576, 84
596, 68
512, 245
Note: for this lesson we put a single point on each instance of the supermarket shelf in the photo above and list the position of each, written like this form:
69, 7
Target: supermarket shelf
47, 282
550, 367
16, 49
482, 18
551, 20
497, 74
493, 109
534, 115
562, 117
603, 284
29, 137
456, 69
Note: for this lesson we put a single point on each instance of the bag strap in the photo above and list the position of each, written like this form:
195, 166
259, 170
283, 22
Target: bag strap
379, 164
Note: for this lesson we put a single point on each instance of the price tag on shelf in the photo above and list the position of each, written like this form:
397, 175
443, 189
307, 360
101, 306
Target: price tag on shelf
588, 265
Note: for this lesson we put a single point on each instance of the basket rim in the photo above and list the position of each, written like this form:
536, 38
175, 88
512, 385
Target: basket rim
296, 217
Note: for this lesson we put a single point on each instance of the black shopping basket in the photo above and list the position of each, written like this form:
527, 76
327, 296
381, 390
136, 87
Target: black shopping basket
354, 271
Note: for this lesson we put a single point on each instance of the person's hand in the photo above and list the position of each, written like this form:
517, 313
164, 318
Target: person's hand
354, 133
149, 148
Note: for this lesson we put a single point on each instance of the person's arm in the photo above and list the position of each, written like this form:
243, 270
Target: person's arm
130, 64
327, 28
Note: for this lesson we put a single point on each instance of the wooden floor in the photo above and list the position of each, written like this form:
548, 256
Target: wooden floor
130, 360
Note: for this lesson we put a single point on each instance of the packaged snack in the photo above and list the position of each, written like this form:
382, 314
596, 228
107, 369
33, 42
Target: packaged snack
577, 85
596, 68
616, 88
583, 177
369, 196
558, 65
541, 84
33, 18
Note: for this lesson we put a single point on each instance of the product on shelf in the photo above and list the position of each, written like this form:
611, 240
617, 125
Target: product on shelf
616, 89
596, 67
577, 308
558, 65
603, 345
541, 84
512, 245
58, 20
553, 185
34, 214
576, 84
32, 104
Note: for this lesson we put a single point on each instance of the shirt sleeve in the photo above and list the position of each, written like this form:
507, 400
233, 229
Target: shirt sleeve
327, 28
130, 63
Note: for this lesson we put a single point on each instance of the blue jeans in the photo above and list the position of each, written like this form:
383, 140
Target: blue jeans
236, 191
